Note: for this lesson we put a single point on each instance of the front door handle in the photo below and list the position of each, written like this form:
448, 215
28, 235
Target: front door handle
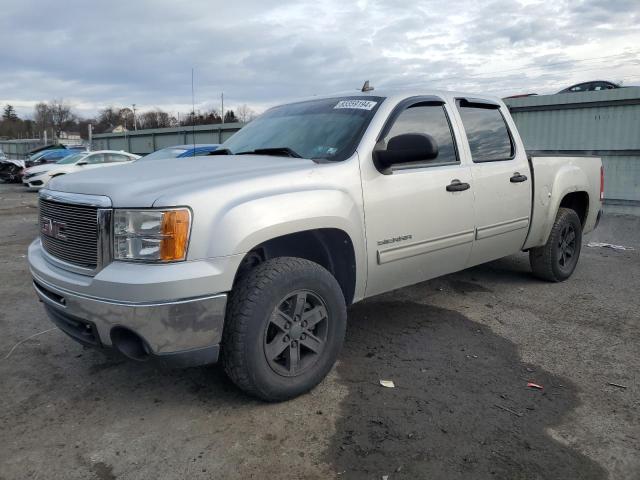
457, 186
517, 178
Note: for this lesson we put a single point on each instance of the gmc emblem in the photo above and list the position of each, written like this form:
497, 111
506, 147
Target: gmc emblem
53, 228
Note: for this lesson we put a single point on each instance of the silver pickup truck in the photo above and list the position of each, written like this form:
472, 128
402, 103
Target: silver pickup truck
251, 255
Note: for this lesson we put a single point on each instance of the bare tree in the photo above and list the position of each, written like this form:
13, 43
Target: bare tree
61, 116
108, 118
42, 116
125, 118
156, 119
244, 113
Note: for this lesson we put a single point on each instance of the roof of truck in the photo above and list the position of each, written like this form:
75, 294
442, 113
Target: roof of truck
398, 94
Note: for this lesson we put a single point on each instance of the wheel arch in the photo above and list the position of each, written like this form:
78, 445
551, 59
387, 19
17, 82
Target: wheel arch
567, 186
577, 201
332, 248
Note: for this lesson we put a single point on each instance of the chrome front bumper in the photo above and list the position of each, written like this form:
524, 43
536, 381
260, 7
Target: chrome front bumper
183, 332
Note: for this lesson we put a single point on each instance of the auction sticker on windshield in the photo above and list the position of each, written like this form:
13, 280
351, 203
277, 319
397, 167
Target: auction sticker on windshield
359, 104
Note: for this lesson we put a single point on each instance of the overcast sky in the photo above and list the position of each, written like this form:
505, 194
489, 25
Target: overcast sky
263, 52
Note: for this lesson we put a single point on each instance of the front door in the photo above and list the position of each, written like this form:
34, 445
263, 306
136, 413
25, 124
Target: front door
417, 228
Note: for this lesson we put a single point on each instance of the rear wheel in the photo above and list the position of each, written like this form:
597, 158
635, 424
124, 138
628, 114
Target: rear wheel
557, 259
285, 326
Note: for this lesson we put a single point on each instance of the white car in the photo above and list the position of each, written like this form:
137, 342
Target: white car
37, 177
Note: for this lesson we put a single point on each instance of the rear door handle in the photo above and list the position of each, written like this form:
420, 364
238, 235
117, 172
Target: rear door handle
457, 186
517, 178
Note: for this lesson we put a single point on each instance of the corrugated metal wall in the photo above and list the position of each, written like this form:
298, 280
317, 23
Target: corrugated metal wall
605, 123
17, 149
142, 142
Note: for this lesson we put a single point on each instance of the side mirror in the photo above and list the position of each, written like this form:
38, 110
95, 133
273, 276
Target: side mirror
82, 162
406, 148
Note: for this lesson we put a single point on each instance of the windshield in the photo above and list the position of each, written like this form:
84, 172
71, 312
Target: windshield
36, 156
170, 152
71, 159
329, 128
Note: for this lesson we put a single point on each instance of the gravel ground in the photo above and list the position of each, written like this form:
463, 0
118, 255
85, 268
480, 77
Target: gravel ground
460, 350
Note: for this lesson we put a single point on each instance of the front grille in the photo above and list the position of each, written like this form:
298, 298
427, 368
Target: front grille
72, 233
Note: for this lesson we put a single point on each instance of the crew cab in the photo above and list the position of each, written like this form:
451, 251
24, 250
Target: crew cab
253, 254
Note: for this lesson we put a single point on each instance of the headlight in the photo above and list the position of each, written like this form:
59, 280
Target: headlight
151, 235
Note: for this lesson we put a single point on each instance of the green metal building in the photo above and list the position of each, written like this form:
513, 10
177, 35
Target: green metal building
603, 123
142, 142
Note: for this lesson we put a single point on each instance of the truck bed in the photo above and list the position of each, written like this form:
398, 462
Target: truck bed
554, 176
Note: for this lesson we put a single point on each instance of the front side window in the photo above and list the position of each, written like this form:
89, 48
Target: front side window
324, 129
431, 120
71, 159
487, 132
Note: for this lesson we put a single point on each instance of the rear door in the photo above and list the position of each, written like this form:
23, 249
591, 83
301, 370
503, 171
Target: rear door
417, 228
500, 172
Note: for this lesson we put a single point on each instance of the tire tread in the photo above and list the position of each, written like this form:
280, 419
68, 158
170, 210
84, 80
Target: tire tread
541, 258
241, 307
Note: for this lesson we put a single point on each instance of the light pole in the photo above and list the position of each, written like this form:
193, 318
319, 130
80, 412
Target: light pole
135, 125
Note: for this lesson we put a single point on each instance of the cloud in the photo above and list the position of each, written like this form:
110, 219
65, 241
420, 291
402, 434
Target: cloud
265, 52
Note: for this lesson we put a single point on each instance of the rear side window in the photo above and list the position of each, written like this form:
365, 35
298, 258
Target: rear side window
114, 158
429, 119
487, 132
97, 158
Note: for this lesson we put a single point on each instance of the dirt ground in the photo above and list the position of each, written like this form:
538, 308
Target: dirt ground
460, 350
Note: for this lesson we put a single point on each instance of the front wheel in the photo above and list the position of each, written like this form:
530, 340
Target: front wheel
557, 259
285, 326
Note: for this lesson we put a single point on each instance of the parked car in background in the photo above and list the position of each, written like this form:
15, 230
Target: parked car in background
38, 176
40, 153
522, 95
10, 169
55, 151
183, 151
50, 156
593, 86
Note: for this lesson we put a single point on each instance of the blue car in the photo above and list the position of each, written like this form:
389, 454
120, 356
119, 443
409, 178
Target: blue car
52, 156
183, 151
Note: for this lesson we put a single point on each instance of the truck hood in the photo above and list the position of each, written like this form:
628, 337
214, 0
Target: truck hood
159, 182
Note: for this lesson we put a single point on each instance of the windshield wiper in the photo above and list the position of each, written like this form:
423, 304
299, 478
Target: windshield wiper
275, 151
221, 151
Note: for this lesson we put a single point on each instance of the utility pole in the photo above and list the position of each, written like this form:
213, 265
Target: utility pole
222, 109
90, 127
135, 124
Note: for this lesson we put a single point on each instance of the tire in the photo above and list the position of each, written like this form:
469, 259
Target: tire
288, 304
557, 259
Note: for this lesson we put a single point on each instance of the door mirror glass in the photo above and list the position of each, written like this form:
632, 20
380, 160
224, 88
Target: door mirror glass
81, 163
406, 148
